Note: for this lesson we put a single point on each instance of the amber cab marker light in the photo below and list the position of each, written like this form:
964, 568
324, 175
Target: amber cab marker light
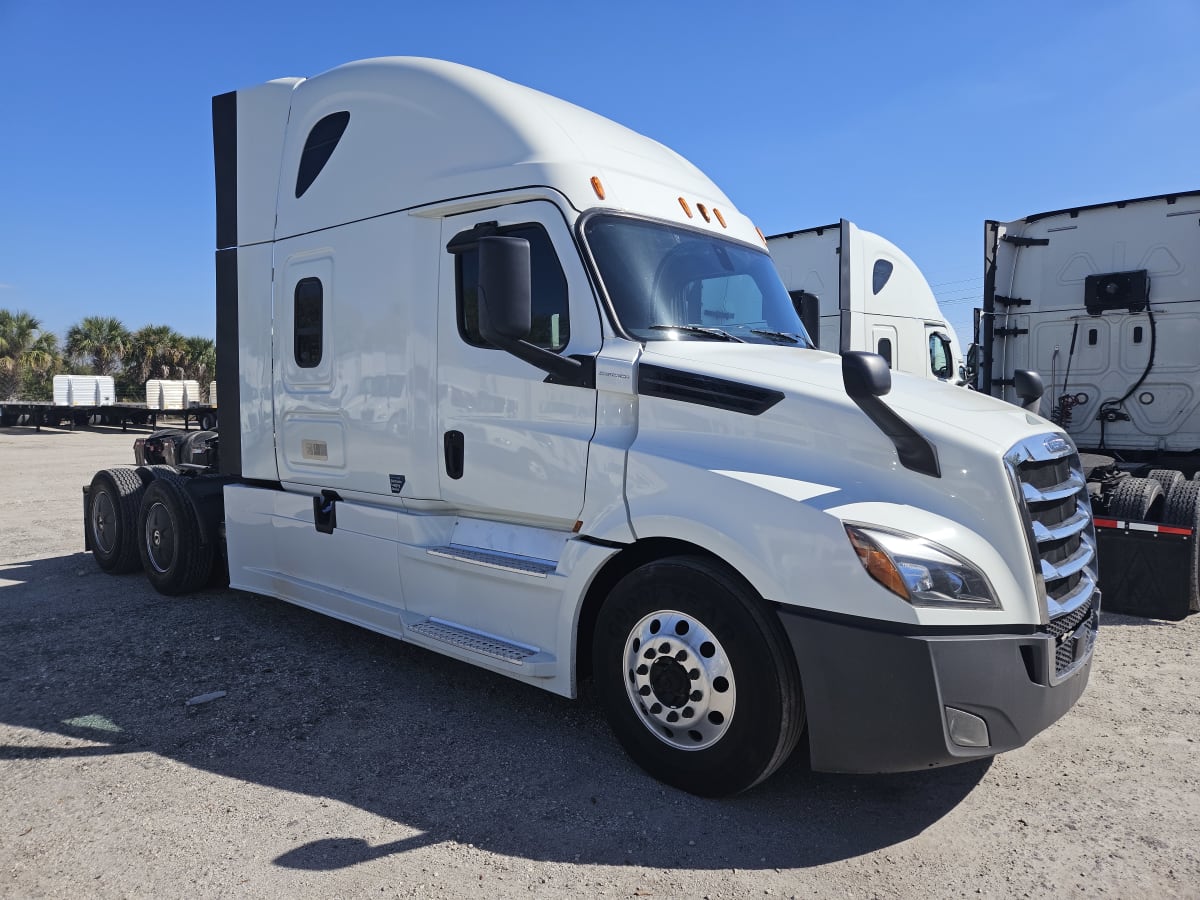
720, 218
687, 209
703, 211
761, 236
597, 187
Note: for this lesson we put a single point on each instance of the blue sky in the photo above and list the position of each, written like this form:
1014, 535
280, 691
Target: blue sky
916, 121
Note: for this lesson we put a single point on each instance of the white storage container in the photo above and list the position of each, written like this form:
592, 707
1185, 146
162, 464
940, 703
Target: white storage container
212, 393
154, 398
162, 393
84, 390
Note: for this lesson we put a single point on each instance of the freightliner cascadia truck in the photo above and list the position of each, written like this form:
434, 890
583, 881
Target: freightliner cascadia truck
510, 382
855, 290
1104, 302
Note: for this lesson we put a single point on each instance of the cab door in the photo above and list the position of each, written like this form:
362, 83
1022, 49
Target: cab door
513, 445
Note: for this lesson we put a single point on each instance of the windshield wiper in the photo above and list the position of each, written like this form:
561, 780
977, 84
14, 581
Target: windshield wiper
778, 335
714, 333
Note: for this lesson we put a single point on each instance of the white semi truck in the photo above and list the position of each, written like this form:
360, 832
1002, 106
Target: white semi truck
508, 381
855, 290
1104, 302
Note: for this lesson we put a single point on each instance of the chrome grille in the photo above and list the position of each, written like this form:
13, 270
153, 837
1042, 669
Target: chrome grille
1048, 478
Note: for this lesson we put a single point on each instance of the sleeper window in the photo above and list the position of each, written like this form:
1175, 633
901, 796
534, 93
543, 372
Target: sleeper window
884, 349
308, 322
318, 147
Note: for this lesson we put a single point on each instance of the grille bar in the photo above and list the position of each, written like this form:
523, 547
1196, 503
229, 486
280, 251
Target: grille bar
1048, 478
1071, 527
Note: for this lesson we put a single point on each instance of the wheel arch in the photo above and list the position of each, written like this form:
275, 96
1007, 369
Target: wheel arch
615, 568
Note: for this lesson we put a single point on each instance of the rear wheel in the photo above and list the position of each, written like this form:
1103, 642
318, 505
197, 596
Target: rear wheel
1135, 498
176, 558
1183, 510
113, 502
696, 677
1168, 478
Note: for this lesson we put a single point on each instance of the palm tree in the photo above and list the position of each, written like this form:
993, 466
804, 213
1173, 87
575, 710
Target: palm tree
23, 349
99, 343
199, 361
37, 382
155, 351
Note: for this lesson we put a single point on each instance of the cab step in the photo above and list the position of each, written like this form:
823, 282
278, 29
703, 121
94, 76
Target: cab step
533, 662
494, 559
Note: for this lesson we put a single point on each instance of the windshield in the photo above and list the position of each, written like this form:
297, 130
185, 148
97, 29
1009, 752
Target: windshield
672, 283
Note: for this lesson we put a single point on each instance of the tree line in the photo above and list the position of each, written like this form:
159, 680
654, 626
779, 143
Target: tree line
97, 345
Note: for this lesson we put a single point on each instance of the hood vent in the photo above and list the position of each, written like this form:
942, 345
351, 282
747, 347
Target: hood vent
704, 390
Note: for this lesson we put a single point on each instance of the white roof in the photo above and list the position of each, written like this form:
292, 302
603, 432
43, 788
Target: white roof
424, 131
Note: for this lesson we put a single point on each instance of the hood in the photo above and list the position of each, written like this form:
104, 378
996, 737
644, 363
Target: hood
944, 413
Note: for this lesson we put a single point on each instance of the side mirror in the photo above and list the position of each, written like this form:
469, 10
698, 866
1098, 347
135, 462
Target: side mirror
970, 371
865, 374
867, 377
505, 295
1029, 387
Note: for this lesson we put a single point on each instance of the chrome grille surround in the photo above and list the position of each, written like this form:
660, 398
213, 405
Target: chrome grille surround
1051, 491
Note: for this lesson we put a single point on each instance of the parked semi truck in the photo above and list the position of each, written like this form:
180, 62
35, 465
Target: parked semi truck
1104, 302
855, 290
508, 381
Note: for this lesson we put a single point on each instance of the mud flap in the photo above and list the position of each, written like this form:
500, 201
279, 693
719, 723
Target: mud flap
1145, 570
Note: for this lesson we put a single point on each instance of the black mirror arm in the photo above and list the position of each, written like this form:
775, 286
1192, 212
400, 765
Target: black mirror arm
578, 370
866, 378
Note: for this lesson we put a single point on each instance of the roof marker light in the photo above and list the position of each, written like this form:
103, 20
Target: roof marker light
761, 236
597, 187
687, 209
720, 218
703, 212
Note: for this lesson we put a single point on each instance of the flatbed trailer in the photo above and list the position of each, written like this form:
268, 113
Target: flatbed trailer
39, 413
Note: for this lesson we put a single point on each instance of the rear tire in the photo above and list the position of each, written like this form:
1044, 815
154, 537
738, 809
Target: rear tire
176, 558
1168, 478
113, 502
1183, 510
1135, 498
696, 677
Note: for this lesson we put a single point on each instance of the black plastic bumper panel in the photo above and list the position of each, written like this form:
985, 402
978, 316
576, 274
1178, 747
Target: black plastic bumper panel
876, 700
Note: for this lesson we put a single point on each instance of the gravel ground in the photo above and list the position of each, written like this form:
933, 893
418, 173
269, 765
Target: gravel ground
339, 763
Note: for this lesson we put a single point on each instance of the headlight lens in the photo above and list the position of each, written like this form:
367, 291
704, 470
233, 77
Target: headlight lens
920, 571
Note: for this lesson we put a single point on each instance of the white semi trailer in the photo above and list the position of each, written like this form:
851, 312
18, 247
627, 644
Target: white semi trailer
855, 290
1104, 302
508, 381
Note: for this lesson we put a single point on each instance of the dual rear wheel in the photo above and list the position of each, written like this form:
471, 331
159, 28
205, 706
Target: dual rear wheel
145, 518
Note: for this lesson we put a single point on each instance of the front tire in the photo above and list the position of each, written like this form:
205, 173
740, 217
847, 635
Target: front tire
176, 558
696, 677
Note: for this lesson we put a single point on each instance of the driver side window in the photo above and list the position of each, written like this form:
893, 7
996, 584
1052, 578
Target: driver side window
550, 322
941, 359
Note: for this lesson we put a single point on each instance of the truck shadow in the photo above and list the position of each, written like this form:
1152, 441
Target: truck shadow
94, 665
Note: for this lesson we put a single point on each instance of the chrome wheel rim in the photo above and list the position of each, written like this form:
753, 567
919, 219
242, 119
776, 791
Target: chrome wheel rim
679, 680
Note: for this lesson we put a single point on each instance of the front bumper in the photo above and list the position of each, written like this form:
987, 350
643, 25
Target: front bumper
877, 700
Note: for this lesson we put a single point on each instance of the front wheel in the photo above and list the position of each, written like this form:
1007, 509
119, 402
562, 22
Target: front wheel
696, 677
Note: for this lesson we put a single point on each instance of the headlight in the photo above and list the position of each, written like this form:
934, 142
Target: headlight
920, 571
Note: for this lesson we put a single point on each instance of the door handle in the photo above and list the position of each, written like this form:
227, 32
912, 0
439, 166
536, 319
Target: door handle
452, 442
